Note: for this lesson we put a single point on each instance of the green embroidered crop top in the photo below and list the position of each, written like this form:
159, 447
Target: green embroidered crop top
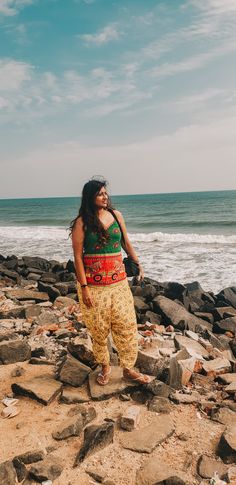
92, 245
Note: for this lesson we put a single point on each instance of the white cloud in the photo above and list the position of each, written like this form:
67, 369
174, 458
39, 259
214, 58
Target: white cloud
217, 7
13, 74
191, 157
12, 7
193, 62
104, 36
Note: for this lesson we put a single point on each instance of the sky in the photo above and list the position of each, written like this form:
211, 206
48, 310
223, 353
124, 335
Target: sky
141, 92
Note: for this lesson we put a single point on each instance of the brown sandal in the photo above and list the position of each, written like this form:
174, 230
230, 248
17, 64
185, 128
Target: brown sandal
103, 378
140, 378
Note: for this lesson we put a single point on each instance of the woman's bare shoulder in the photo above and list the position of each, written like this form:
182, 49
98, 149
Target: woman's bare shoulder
79, 225
117, 213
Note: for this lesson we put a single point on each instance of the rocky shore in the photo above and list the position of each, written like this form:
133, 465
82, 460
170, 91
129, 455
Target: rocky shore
58, 426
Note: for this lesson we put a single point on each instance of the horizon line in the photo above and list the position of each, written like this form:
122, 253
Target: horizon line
121, 195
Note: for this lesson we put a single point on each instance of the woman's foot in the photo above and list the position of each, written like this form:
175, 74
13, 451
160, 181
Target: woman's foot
103, 377
135, 376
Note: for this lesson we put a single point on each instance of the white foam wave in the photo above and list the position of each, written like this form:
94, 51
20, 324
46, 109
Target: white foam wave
182, 238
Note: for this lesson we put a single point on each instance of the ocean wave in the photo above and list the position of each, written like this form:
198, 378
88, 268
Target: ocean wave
182, 238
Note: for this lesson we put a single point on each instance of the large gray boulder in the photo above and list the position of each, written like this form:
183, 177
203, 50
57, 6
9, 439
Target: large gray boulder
176, 315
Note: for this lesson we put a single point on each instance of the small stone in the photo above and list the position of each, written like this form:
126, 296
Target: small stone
130, 419
48, 469
125, 397
216, 366
96, 437
31, 457
231, 474
73, 372
21, 470
181, 398
207, 466
17, 372
12, 351
160, 405
224, 416
159, 388
69, 427
98, 475
7, 473
227, 445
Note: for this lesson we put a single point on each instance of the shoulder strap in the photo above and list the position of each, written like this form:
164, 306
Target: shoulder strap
116, 218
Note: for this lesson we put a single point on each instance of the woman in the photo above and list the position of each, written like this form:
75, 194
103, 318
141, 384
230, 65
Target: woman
105, 297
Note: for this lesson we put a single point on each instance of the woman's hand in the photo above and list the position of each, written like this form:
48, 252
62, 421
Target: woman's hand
140, 276
86, 297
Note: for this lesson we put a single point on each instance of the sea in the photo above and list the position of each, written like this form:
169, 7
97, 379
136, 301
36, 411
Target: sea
181, 237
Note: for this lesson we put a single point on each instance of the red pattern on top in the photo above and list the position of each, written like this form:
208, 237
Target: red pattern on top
104, 269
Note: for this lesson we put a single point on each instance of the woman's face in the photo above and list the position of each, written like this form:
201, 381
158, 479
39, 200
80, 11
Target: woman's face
101, 199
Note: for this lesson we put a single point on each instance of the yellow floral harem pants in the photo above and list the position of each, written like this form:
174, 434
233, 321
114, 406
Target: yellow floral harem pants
113, 311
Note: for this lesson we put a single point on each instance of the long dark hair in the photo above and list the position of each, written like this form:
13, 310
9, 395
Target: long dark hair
88, 212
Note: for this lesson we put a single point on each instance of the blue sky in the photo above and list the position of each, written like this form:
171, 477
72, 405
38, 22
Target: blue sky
142, 92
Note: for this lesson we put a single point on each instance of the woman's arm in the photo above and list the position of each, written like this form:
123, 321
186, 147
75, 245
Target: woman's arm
126, 244
77, 244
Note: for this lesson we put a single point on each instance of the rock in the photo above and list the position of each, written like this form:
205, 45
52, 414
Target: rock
216, 366
40, 361
46, 317
48, 469
21, 470
155, 472
69, 427
160, 405
43, 388
7, 473
140, 305
189, 344
31, 457
36, 262
146, 439
12, 351
159, 388
73, 372
50, 290
220, 313
228, 295
150, 362
116, 385
96, 437
231, 474
82, 349
180, 398
233, 346
227, 445
22, 294
231, 388
130, 419
63, 301
208, 317
182, 368
152, 317
33, 311
98, 475
207, 466
177, 315
224, 416
227, 378
17, 311
227, 325
75, 395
